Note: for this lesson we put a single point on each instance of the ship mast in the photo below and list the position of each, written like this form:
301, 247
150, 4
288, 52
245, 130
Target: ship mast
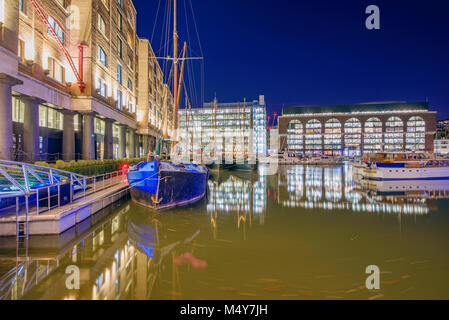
175, 76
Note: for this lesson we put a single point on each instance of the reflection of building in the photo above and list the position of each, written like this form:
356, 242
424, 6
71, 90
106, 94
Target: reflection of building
357, 129
238, 195
231, 124
333, 188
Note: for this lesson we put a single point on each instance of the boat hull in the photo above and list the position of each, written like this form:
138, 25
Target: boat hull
392, 173
170, 187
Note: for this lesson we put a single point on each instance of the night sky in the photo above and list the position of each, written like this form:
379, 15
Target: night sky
315, 52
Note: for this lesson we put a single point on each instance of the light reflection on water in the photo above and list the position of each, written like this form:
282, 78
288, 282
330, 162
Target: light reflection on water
305, 233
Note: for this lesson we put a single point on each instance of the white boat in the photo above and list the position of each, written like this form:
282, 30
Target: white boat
322, 161
407, 166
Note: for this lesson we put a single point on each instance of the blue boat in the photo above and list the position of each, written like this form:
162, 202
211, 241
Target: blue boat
162, 185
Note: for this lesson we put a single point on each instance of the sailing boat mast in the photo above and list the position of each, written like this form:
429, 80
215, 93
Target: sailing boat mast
175, 75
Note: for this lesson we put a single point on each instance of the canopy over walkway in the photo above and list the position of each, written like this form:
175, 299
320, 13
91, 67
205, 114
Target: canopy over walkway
18, 179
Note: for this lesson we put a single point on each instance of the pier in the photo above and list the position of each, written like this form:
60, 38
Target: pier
45, 201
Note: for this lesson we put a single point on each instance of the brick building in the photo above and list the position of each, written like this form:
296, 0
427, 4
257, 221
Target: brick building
357, 129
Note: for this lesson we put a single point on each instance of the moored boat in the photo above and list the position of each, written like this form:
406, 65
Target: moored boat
406, 166
163, 185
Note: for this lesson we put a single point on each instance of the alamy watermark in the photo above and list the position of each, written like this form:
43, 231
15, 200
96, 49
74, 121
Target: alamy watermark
202, 146
373, 20
373, 280
72, 281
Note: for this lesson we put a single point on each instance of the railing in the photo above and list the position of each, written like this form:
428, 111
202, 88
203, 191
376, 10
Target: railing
50, 197
32, 190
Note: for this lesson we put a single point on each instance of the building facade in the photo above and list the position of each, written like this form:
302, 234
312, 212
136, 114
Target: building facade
155, 100
357, 129
227, 124
46, 48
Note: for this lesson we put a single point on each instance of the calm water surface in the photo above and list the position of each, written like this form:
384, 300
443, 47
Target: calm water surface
305, 233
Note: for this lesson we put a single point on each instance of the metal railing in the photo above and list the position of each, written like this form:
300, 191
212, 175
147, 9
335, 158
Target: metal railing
32, 190
43, 199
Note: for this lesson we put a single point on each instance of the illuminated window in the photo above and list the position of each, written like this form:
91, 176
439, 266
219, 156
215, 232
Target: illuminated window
100, 126
373, 136
332, 136
120, 47
102, 57
102, 87
50, 118
313, 141
353, 137
119, 99
295, 135
18, 109
101, 25
394, 134
21, 50
130, 39
22, 5
416, 134
119, 74
119, 21
56, 28
56, 70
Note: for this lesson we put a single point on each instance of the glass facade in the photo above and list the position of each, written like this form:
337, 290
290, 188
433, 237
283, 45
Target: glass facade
313, 138
332, 137
416, 134
373, 136
295, 135
233, 128
394, 134
353, 137
50, 118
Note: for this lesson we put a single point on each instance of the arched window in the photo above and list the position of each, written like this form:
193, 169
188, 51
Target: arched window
373, 136
416, 134
353, 137
332, 136
313, 141
295, 135
394, 134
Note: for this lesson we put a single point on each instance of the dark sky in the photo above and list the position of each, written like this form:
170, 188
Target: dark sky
317, 52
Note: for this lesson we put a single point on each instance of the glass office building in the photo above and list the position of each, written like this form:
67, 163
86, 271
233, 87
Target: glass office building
238, 128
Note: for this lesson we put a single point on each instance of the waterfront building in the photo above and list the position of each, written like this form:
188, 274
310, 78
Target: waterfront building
442, 129
357, 129
69, 82
227, 123
441, 146
155, 100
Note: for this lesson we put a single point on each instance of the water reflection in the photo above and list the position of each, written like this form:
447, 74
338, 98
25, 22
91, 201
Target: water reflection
210, 250
335, 188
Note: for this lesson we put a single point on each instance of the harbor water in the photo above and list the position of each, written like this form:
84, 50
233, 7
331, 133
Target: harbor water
307, 232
